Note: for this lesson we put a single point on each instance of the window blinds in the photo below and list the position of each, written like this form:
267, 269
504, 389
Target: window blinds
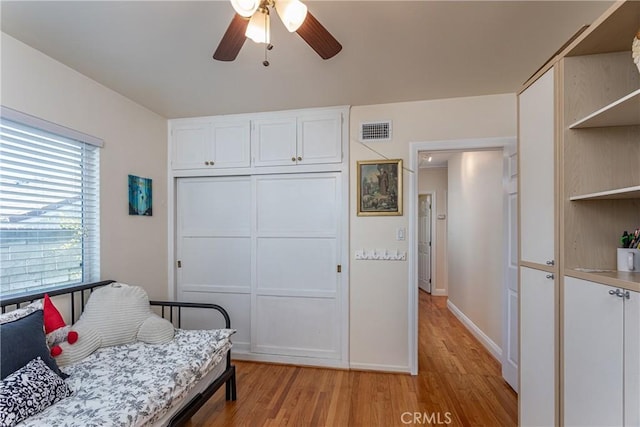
49, 209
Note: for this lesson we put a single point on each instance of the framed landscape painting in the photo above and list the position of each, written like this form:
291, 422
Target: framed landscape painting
380, 187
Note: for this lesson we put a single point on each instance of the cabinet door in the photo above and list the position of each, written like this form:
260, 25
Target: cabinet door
536, 128
229, 145
538, 349
319, 138
593, 355
274, 142
190, 145
632, 360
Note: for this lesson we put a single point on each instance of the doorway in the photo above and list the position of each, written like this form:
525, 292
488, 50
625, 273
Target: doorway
414, 156
425, 231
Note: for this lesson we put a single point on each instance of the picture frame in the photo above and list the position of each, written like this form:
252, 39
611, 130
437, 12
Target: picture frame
379, 187
140, 196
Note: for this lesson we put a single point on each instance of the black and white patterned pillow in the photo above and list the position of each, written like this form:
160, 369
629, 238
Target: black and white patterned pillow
29, 390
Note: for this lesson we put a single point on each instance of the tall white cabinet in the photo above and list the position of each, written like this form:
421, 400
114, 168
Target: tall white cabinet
579, 127
266, 238
538, 251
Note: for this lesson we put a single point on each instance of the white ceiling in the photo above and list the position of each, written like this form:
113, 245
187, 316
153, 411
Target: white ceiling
159, 53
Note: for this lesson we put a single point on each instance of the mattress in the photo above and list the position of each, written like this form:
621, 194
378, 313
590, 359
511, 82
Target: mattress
137, 384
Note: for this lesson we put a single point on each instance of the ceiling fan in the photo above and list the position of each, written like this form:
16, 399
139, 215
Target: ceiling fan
252, 20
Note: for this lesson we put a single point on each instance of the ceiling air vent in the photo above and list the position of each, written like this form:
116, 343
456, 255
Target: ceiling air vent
375, 131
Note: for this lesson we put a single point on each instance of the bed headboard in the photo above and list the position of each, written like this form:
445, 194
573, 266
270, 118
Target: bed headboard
77, 295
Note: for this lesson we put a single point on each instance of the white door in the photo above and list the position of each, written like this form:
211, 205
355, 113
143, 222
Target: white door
214, 249
510, 286
424, 242
296, 305
537, 395
593, 355
632, 359
536, 128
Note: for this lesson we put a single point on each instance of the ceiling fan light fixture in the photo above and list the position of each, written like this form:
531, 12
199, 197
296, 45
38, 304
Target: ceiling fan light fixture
245, 8
292, 13
259, 28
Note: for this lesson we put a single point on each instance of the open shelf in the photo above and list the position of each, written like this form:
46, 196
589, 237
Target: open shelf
622, 112
617, 194
621, 279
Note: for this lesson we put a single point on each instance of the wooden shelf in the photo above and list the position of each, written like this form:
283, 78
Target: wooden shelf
617, 194
621, 279
623, 112
612, 32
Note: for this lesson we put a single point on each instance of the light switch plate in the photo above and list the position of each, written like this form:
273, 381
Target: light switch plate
401, 233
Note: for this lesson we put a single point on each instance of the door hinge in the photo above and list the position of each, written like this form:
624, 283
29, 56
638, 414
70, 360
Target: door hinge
339, 268
179, 264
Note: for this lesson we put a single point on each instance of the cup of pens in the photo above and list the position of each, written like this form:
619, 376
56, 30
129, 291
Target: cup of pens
629, 253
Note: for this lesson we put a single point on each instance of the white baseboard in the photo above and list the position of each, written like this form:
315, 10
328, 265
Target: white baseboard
288, 360
379, 368
439, 293
487, 342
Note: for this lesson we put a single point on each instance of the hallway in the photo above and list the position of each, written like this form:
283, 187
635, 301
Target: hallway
459, 384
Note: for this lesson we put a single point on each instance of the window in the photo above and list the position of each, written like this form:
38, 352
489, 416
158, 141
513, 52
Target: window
49, 205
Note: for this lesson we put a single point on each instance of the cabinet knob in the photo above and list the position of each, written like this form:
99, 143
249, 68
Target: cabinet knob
293, 159
551, 262
206, 163
550, 276
211, 162
299, 158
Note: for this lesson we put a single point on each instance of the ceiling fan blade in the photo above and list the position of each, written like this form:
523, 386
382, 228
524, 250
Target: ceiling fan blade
232, 40
317, 36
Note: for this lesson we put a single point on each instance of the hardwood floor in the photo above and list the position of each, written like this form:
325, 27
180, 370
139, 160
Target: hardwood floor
459, 384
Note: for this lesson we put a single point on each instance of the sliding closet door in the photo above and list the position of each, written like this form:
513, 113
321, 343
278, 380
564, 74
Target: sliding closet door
295, 302
214, 249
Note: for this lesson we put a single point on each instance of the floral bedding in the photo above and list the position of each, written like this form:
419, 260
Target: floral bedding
135, 384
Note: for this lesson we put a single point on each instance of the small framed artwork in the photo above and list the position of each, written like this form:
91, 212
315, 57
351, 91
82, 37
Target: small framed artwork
140, 196
380, 187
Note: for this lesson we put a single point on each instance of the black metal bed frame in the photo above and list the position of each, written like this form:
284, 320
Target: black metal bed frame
228, 377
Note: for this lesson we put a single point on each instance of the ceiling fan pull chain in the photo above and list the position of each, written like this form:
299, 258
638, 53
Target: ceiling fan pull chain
268, 46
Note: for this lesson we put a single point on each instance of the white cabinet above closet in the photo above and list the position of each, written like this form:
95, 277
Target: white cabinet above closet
213, 143
297, 139
259, 142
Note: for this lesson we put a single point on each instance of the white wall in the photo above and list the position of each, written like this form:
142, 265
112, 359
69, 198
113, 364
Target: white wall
434, 180
475, 239
379, 289
133, 248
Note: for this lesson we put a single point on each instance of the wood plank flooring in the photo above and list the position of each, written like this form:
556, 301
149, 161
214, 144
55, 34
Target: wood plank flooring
459, 384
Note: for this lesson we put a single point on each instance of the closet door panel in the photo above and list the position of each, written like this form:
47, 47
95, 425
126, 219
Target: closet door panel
296, 302
281, 263
216, 263
237, 305
300, 205
214, 250
214, 206
295, 326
